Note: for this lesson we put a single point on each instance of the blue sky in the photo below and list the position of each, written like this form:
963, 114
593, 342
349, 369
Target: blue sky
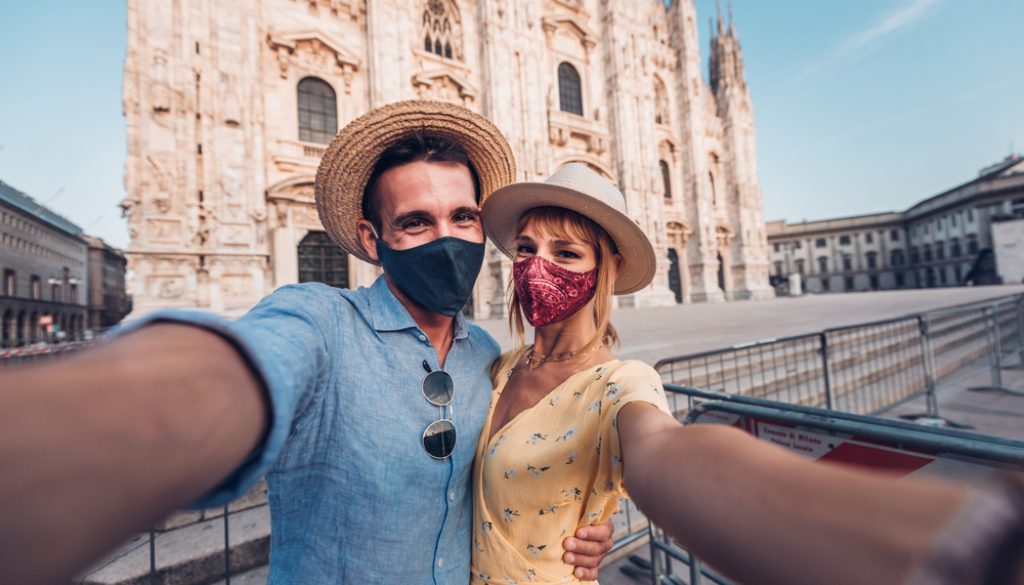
860, 106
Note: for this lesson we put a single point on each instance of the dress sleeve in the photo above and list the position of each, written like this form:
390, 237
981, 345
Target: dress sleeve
634, 381
282, 341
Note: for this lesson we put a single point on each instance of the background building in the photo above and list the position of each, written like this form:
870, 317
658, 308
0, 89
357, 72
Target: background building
229, 106
108, 301
945, 240
44, 261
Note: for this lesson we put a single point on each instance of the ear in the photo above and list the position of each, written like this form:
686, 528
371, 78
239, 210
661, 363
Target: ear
368, 239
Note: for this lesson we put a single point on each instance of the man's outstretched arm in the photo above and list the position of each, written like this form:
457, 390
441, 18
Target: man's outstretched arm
98, 445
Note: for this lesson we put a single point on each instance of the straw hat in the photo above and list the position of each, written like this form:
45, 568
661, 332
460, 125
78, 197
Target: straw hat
580, 189
346, 166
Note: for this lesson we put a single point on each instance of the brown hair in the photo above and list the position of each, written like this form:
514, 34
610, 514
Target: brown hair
570, 224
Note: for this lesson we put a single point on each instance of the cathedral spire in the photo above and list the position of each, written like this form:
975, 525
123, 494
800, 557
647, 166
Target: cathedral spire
721, 31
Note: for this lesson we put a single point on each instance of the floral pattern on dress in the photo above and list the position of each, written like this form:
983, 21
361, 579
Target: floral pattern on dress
554, 467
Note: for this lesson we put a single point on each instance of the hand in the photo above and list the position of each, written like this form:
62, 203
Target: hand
587, 549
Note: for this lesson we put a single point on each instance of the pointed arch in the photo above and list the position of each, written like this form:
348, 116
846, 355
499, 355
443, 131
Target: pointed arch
441, 29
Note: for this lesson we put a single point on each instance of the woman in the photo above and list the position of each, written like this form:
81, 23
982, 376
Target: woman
570, 427
549, 456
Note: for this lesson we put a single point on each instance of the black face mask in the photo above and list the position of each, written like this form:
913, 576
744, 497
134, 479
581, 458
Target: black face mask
438, 275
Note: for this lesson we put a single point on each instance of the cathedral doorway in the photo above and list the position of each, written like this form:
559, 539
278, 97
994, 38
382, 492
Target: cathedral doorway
674, 281
320, 260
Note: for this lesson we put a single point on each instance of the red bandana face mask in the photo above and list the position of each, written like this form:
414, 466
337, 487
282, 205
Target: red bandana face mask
549, 293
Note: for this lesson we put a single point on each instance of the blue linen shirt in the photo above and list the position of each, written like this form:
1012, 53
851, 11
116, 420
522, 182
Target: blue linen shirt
353, 496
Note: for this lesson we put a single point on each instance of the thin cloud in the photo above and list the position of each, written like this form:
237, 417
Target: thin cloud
891, 23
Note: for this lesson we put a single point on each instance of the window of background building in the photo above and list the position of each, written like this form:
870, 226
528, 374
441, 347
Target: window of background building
849, 283
873, 281
570, 92
970, 214
9, 283
823, 264
776, 247
942, 275
924, 226
318, 111
73, 294
1017, 207
824, 284
958, 273
914, 257
778, 268
847, 263
940, 251
896, 257
55, 293
952, 220
872, 260
844, 240
954, 248
900, 279
894, 235
820, 243
869, 237
800, 267
36, 288
666, 183
972, 244
797, 245
927, 253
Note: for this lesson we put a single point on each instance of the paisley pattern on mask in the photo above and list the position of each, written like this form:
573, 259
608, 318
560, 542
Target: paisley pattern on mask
549, 293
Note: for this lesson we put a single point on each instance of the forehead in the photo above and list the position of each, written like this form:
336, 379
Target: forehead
547, 226
430, 186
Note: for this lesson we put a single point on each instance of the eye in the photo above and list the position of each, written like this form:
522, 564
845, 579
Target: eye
414, 224
466, 217
567, 254
525, 249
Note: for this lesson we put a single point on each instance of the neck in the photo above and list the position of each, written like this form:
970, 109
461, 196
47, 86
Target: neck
439, 328
573, 334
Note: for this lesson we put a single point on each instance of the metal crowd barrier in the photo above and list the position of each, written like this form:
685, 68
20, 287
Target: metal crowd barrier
822, 434
868, 367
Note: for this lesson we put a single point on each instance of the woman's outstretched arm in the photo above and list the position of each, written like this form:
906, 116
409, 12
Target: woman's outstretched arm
760, 514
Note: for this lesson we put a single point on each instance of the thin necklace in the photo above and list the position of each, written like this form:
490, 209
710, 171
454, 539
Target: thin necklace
534, 359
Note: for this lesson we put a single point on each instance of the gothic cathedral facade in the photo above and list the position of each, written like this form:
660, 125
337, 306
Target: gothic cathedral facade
230, 103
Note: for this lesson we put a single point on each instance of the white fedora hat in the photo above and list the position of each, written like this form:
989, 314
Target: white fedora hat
578, 188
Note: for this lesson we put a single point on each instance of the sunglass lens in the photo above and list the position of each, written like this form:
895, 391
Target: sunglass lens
438, 388
439, 439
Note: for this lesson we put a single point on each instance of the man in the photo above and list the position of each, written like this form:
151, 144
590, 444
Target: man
362, 408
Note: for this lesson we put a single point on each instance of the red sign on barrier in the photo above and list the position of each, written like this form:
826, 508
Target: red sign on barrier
822, 445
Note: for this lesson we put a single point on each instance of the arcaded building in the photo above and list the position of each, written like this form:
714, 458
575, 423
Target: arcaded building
229, 106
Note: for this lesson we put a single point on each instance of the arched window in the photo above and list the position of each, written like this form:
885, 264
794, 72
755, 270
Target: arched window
570, 93
441, 30
666, 179
318, 111
320, 260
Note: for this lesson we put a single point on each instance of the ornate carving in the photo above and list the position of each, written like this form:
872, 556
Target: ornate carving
444, 85
313, 50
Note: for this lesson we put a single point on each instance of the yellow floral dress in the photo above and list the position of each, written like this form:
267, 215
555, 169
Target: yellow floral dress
552, 468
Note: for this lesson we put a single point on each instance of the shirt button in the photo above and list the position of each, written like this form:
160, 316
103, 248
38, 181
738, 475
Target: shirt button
451, 496
440, 563
423, 337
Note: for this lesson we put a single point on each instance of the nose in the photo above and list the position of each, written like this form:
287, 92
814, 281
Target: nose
443, 229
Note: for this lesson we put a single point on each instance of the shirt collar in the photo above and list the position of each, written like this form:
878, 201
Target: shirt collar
388, 314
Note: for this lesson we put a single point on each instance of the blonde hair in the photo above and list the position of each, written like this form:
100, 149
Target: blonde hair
569, 224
